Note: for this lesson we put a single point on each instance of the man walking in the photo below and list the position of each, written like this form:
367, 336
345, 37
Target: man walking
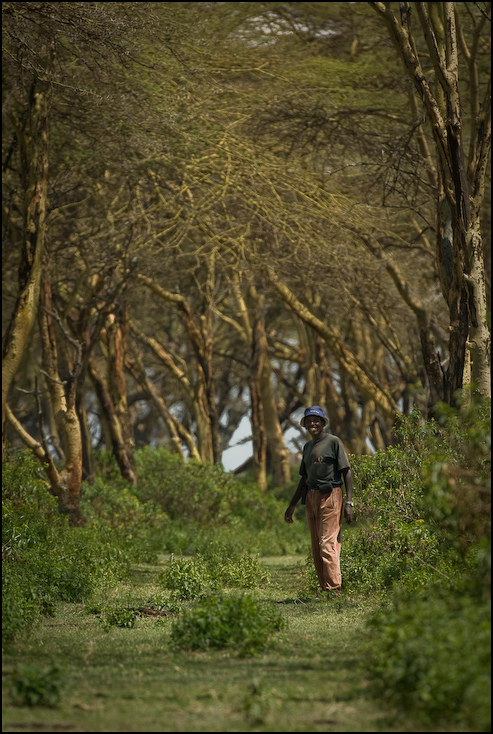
324, 467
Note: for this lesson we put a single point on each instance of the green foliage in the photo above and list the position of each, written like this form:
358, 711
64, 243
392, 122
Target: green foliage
138, 526
221, 621
431, 654
258, 703
457, 503
189, 491
162, 603
176, 506
32, 685
426, 506
187, 578
423, 505
192, 578
119, 617
45, 560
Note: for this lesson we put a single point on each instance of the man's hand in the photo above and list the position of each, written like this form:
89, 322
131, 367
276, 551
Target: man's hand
348, 514
288, 515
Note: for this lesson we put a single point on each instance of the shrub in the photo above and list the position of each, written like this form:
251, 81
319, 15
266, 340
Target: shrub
429, 647
227, 565
423, 506
140, 528
199, 498
220, 621
45, 560
186, 577
178, 506
32, 685
218, 566
431, 654
119, 617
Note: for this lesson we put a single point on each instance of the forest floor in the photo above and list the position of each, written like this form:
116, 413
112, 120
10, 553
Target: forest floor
311, 678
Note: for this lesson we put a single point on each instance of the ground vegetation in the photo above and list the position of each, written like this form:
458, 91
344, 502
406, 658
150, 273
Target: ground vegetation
215, 572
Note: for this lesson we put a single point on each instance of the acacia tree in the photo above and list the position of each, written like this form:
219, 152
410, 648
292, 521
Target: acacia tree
27, 113
227, 240
332, 134
57, 59
461, 176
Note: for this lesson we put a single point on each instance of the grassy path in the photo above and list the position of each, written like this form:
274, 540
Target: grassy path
313, 678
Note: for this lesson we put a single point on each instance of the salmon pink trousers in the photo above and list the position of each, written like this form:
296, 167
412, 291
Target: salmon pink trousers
324, 515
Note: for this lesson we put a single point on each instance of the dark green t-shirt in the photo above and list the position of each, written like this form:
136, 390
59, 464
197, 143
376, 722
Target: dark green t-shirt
323, 461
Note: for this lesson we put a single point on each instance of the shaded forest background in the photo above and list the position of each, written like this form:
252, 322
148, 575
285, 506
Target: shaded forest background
220, 210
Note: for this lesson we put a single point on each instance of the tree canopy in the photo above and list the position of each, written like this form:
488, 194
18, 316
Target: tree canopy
220, 210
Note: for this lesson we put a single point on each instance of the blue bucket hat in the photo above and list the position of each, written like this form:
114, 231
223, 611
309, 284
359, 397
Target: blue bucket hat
314, 410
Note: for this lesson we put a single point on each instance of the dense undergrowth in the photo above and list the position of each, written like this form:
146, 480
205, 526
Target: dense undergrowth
421, 542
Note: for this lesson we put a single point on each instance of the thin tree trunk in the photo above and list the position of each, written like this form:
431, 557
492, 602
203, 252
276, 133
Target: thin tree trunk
33, 143
178, 433
258, 351
63, 398
204, 398
122, 450
346, 359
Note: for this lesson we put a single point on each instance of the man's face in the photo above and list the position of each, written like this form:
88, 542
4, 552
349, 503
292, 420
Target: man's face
314, 425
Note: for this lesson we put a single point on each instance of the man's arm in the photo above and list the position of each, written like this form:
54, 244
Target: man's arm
288, 515
348, 509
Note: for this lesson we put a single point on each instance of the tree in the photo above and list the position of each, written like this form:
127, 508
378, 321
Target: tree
46, 88
334, 135
461, 177
238, 222
28, 115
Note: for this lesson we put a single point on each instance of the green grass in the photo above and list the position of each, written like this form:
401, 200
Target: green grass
312, 677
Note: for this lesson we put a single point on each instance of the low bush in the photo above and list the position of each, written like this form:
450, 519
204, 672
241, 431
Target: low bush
431, 654
223, 621
424, 506
118, 617
430, 644
43, 559
32, 685
200, 498
140, 528
187, 578
218, 567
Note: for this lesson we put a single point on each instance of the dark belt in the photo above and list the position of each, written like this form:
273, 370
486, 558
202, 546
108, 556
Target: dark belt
327, 489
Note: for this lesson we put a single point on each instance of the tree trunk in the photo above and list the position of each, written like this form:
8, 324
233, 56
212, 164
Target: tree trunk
461, 185
204, 398
123, 450
117, 339
63, 398
33, 143
258, 352
262, 389
177, 432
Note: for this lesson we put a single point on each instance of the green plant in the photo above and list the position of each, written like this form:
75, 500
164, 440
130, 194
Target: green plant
221, 621
220, 566
161, 603
431, 654
44, 559
429, 647
188, 578
119, 617
423, 506
137, 526
257, 703
32, 685
227, 565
